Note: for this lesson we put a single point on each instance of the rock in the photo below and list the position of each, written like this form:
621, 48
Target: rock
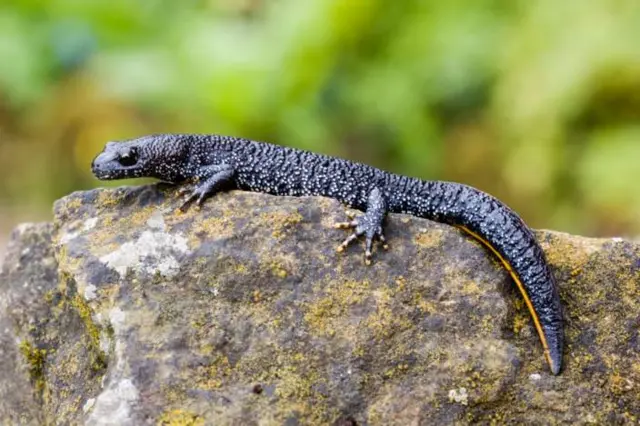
243, 313
29, 272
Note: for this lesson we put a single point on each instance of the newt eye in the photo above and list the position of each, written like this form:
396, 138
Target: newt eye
129, 158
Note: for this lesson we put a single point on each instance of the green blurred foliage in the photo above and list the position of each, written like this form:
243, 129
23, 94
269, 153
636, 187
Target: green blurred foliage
536, 102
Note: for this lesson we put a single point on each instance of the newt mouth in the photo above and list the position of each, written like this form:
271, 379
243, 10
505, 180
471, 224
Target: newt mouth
102, 174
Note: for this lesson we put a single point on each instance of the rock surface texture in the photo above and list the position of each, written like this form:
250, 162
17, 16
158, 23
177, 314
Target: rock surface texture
126, 311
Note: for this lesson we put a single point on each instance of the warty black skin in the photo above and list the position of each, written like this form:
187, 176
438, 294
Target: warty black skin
212, 162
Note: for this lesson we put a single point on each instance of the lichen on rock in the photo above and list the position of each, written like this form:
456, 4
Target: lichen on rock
127, 310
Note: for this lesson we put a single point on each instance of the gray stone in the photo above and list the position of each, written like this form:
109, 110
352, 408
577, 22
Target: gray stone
243, 313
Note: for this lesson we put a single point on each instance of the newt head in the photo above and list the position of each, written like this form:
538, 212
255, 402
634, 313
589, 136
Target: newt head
157, 156
118, 161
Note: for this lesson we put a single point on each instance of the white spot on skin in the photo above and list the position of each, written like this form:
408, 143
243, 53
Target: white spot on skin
90, 292
152, 253
459, 395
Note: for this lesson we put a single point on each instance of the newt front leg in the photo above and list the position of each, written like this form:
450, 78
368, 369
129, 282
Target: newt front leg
211, 179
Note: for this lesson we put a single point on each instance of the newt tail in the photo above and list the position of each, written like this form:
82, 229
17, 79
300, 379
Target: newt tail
554, 358
217, 162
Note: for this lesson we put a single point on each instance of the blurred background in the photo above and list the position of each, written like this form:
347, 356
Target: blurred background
536, 102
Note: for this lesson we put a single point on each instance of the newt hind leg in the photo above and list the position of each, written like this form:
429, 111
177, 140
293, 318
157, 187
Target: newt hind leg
368, 225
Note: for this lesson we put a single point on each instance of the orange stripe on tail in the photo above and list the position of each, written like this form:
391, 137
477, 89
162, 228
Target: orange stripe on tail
527, 301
